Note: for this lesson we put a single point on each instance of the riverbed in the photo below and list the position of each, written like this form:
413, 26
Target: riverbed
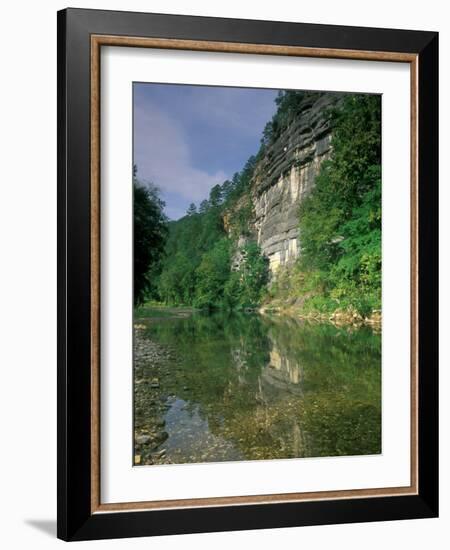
242, 386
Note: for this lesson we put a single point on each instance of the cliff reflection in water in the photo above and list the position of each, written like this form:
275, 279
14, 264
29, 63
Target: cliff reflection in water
245, 387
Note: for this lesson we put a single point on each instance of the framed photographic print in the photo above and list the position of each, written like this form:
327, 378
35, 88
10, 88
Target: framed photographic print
247, 274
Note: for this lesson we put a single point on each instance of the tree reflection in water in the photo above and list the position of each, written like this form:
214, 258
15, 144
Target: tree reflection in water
246, 387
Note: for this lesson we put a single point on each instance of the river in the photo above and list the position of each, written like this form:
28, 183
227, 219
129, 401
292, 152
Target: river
229, 386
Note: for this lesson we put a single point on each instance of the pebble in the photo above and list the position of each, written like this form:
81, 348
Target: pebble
142, 439
159, 454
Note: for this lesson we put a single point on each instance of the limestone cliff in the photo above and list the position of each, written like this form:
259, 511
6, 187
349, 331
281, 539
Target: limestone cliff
284, 176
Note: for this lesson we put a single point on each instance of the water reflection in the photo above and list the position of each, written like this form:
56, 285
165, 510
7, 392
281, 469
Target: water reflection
238, 387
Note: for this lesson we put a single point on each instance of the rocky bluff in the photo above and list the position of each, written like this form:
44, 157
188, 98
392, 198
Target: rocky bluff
283, 177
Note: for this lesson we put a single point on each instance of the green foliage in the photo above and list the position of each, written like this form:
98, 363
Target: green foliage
245, 286
340, 221
239, 219
212, 275
196, 268
191, 210
241, 181
150, 229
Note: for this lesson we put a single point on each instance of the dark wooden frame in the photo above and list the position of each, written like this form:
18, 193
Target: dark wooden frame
81, 33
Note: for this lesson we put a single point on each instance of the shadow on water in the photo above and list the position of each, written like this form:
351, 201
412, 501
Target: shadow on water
246, 387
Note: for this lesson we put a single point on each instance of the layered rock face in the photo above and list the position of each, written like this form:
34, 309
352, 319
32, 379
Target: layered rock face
284, 177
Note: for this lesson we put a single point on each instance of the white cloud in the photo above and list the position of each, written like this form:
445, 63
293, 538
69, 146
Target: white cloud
162, 156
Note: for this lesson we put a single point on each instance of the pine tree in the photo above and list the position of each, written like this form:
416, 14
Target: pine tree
191, 210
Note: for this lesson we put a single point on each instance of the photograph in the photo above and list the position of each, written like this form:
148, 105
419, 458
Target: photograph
257, 274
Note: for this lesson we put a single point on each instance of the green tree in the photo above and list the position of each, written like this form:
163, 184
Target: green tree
340, 221
191, 210
212, 274
150, 231
245, 286
215, 196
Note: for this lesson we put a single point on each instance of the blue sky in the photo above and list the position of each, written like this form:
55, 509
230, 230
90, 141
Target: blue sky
189, 138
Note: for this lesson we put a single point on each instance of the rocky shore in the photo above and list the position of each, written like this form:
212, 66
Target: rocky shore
151, 370
338, 317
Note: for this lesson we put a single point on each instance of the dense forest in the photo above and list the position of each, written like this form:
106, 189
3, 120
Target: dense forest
201, 259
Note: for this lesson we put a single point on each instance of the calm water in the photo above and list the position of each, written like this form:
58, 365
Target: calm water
245, 387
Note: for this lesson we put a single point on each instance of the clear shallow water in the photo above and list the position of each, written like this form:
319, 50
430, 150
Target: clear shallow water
246, 387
